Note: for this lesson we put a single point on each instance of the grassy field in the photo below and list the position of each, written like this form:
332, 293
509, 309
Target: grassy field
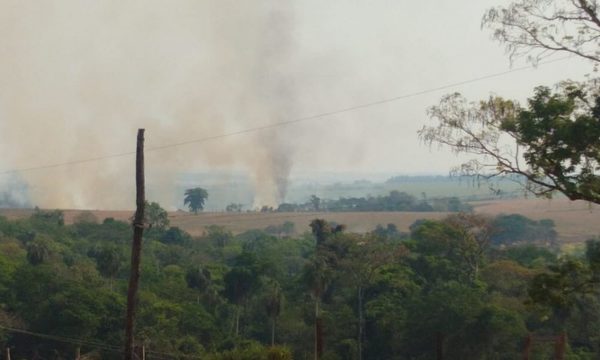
575, 221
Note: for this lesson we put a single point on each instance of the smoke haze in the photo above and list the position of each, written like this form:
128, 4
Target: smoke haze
78, 78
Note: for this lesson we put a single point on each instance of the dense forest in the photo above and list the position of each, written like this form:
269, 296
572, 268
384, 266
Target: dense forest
473, 286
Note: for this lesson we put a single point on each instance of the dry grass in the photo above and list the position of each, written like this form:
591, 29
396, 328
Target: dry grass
575, 221
355, 221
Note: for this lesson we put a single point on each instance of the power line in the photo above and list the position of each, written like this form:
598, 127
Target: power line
63, 339
289, 122
91, 343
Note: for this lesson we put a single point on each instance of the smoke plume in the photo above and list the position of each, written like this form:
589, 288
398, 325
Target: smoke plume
14, 193
78, 78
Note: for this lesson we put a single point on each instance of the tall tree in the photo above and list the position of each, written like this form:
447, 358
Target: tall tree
317, 274
359, 266
199, 279
555, 138
315, 201
316, 278
273, 301
38, 250
195, 198
240, 282
156, 216
109, 261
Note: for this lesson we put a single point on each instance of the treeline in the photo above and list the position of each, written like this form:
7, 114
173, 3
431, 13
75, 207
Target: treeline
394, 201
380, 295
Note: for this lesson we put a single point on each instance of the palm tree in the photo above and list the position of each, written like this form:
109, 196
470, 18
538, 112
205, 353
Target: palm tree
109, 262
195, 198
273, 302
199, 279
316, 278
38, 251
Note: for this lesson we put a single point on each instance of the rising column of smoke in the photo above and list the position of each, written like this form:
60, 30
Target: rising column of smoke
77, 79
274, 71
14, 193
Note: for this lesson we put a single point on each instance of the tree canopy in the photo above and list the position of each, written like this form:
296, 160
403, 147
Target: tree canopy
553, 142
537, 28
195, 198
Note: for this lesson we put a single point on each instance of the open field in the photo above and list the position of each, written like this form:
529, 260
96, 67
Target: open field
355, 221
575, 221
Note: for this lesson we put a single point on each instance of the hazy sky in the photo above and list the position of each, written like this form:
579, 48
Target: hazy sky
78, 78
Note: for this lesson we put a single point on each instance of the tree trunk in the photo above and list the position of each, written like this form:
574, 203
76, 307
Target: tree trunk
318, 331
439, 346
7, 353
136, 247
560, 346
361, 323
527, 347
273, 331
237, 320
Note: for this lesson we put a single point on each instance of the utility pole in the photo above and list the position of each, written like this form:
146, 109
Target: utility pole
136, 246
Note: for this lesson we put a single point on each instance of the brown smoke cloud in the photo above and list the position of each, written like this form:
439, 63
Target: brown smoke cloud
78, 78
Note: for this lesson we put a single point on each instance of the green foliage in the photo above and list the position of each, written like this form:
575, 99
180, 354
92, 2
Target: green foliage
175, 236
285, 229
516, 228
85, 217
233, 207
221, 296
54, 217
39, 250
556, 133
530, 255
394, 201
109, 260
255, 351
242, 279
198, 278
155, 216
195, 198
218, 235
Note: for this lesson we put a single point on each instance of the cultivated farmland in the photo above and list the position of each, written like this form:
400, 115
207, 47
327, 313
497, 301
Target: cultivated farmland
575, 221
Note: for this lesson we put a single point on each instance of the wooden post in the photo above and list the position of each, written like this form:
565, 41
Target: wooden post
136, 246
527, 348
7, 353
560, 346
